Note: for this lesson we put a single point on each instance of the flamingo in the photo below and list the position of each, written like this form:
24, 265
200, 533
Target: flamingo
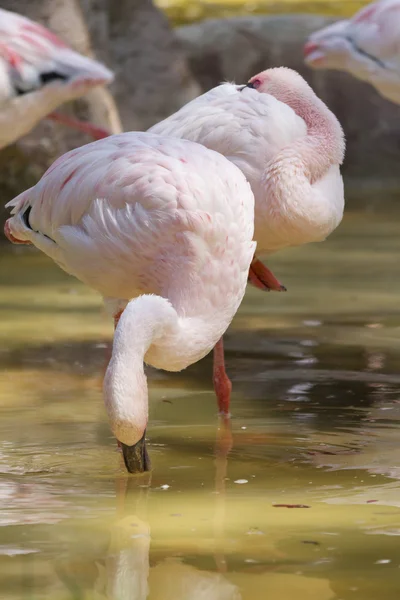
290, 146
366, 46
163, 229
38, 72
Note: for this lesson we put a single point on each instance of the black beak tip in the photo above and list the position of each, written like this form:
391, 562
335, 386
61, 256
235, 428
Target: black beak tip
247, 85
136, 457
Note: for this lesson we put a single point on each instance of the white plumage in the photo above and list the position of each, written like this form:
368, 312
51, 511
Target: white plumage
137, 214
38, 72
285, 141
290, 146
367, 46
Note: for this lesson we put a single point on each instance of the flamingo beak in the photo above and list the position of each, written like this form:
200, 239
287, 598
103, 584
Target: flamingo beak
309, 47
240, 88
136, 457
11, 238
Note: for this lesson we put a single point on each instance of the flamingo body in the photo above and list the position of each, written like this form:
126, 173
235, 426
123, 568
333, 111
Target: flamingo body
366, 46
165, 222
289, 146
38, 72
265, 135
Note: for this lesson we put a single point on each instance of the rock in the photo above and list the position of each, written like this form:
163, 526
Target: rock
152, 77
234, 49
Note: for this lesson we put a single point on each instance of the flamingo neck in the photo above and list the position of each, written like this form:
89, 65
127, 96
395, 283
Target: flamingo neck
323, 145
146, 320
295, 210
150, 330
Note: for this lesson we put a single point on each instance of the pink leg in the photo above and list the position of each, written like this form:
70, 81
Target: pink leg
98, 133
117, 317
222, 383
262, 278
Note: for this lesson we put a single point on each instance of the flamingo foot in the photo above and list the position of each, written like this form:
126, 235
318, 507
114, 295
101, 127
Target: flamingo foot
98, 133
221, 381
262, 278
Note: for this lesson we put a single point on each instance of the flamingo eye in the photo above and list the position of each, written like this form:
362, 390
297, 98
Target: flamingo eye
254, 84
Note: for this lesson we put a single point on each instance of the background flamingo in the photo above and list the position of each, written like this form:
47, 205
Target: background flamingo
367, 46
289, 146
38, 72
164, 221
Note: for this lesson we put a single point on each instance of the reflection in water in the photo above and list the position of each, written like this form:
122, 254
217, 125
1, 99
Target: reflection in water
127, 562
126, 574
315, 423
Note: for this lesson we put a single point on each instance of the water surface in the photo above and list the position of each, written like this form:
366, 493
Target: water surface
316, 415
188, 11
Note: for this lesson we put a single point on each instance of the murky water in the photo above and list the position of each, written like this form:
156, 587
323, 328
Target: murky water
316, 426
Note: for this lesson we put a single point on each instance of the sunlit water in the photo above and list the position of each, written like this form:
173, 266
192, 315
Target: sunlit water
316, 414
187, 11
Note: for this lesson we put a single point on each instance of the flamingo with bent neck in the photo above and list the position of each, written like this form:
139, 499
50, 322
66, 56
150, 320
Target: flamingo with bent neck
162, 228
38, 72
290, 146
366, 46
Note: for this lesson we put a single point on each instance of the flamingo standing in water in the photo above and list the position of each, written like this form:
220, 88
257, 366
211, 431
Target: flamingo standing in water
290, 146
38, 72
366, 46
166, 222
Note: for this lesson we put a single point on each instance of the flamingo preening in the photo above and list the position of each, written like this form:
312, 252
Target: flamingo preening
38, 72
366, 46
289, 145
163, 229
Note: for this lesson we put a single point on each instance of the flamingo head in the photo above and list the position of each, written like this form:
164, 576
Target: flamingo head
282, 83
328, 48
290, 88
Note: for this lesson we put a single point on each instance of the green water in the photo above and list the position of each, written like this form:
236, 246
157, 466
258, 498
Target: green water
182, 12
316, 416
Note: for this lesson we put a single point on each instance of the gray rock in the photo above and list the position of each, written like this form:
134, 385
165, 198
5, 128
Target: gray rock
235, 49
152, 77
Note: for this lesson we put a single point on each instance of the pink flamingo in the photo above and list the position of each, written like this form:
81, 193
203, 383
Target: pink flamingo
366, 46
289, 146
38, 72
164, 221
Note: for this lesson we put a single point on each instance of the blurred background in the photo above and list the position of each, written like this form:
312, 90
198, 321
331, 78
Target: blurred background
316, 384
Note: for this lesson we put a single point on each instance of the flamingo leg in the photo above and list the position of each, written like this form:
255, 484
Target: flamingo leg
117, 317
221, 381
98, 133
262, 278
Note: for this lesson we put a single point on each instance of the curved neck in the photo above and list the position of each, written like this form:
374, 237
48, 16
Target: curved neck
150, 330
323, 146
145, 320
312, 156
296, 211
